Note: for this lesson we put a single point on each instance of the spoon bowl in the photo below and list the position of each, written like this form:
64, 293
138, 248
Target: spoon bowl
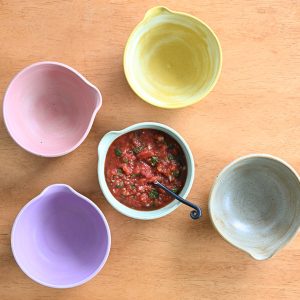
195, 214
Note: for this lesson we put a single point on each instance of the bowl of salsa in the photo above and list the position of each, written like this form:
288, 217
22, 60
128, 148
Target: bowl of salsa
131, 160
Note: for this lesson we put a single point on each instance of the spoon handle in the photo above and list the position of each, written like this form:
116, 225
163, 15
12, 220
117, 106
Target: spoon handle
195, 214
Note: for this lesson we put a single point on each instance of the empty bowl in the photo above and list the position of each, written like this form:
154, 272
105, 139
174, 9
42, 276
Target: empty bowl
255, 204
49, 108
60, 239
172, 59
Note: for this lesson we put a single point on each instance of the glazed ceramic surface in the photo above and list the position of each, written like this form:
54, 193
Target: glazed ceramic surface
60, 239
104, 145
172, 59
255, 204
49, 108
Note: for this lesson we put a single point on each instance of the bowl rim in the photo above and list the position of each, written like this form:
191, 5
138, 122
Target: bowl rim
140, 214
212, 191
166, 106
64, 66
93, 205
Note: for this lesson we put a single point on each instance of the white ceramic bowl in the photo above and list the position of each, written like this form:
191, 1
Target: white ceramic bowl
104, 145
255, 204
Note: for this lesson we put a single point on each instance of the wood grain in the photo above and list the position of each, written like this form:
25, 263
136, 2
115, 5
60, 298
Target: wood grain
255, 107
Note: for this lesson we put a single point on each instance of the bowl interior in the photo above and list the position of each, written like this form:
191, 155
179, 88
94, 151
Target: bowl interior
48, 108
172, 60
138, 214
60, 239
255, 205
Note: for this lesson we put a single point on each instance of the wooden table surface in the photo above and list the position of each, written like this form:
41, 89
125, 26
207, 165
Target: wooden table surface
254, 108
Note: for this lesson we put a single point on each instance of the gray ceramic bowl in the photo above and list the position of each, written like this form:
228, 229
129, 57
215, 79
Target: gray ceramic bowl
255, 204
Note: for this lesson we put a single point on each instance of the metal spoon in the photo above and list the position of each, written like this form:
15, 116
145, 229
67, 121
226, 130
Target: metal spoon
195, 214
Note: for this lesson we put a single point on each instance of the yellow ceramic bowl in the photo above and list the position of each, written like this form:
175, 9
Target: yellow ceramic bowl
172, 59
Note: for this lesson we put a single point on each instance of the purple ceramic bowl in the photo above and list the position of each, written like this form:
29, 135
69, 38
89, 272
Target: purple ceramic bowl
60, 239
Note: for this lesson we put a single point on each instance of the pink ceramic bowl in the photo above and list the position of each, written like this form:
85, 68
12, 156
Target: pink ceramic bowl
49, 108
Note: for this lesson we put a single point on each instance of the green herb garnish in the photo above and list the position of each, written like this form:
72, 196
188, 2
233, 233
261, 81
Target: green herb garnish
174, 190
119, 171
120, 185
154, 161
138, 149
170, 156
176, 173
153, 194
125, 159
118, 152
132, 186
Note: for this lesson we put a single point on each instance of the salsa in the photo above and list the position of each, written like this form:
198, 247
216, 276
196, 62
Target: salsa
138, 158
